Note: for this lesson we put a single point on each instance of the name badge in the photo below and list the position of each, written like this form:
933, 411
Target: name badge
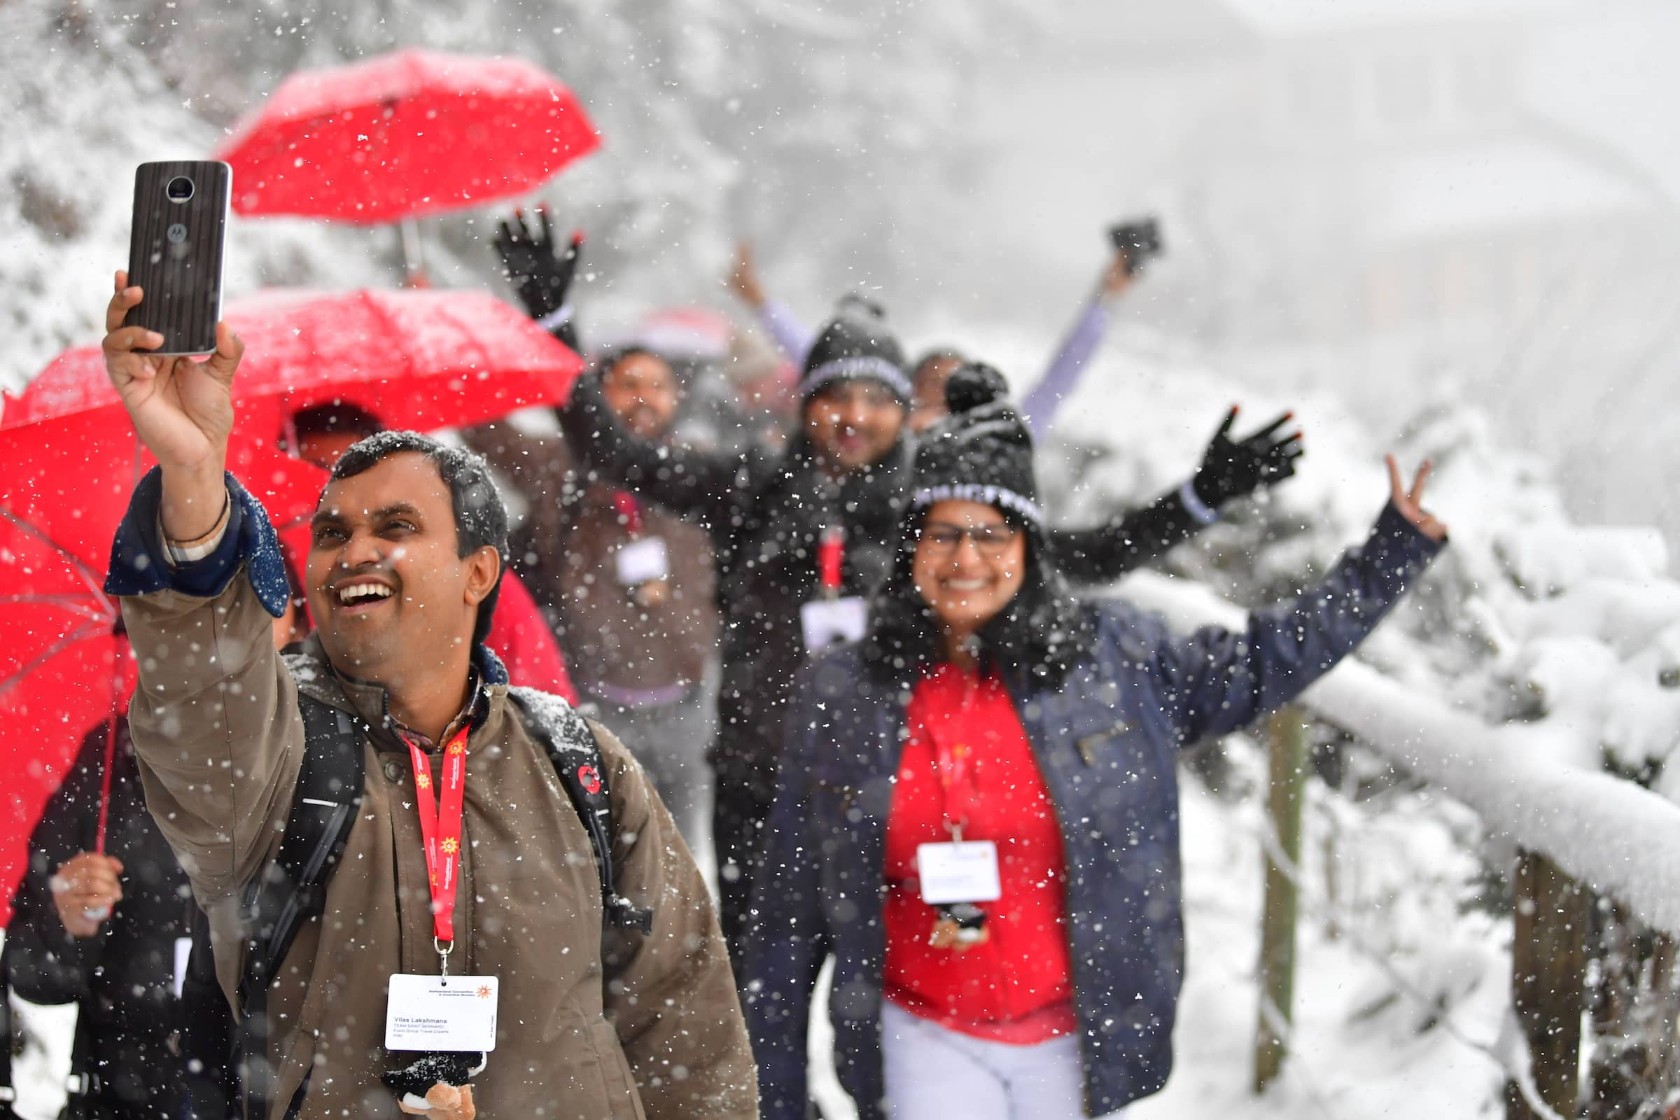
642, 561
828, 622
441, 1013
958, 872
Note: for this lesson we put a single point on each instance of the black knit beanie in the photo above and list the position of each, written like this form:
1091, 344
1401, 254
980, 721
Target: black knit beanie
981, 452
855, 343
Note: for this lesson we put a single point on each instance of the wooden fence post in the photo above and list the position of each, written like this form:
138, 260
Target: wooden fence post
1548, 982
1286, 737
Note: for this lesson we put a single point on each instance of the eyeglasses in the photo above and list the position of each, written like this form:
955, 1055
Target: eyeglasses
991, 540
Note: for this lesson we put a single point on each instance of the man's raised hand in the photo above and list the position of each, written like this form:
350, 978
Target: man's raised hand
182, 410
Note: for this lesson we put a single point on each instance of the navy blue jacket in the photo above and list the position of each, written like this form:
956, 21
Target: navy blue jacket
1106, 743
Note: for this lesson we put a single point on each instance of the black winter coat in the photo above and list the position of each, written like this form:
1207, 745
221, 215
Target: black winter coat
122, 979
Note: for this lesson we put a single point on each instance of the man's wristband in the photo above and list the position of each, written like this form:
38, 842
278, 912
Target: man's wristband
185, 552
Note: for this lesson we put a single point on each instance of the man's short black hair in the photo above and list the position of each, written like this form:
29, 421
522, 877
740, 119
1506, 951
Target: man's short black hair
480, 517
335, 416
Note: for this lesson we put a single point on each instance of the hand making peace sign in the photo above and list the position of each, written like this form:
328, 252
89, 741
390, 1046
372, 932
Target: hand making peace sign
1410, 501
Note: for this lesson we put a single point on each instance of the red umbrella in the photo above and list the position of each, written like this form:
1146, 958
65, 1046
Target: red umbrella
416, 359
404, 135
69, 460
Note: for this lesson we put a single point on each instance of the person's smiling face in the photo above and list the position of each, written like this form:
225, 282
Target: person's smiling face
642, 390
852, 423
969, 563
393, 600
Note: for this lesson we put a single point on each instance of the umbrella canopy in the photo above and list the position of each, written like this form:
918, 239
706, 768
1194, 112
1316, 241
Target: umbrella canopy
416, 359
69, 459
404, 135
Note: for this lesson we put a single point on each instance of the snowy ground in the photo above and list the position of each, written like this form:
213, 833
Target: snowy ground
1362, 1047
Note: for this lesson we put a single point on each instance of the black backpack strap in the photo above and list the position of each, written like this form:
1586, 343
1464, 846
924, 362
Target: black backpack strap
576, 755
293, 886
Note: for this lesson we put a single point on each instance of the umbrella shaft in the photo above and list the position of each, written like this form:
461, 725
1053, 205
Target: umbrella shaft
414, 267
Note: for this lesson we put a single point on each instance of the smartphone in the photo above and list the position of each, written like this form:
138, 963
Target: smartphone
175, 251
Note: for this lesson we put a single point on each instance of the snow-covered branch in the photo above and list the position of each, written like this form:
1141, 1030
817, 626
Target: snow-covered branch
1609, 833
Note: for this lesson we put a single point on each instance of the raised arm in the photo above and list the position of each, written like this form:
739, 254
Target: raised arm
687, 481
197, 567
541, 274
1061, 377
182, 410
1218, 680
792, 337
1230, 469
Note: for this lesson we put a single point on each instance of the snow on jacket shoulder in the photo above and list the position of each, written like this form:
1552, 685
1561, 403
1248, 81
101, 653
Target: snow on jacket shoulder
591, 1023
1106, 742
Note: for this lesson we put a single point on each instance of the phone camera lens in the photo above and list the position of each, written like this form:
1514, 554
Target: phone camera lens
179, 189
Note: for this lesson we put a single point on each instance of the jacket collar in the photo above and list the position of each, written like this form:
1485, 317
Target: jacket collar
368, 700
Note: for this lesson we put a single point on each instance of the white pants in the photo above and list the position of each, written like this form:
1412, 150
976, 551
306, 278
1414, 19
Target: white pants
933, 1073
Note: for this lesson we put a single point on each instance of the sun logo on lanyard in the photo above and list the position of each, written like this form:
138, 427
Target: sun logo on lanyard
484, 991
450, 845
458, 747
423, 780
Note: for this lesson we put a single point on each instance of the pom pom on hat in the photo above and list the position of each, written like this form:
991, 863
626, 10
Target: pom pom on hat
981, 452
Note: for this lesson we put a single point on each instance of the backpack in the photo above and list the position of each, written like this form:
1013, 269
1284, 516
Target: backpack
228, 1063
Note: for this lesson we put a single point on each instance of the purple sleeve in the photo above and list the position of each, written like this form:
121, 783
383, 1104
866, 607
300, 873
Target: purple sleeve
1043, 399
792, 337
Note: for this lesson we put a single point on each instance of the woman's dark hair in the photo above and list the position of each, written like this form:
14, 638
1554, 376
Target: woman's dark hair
480, 517
1041, 632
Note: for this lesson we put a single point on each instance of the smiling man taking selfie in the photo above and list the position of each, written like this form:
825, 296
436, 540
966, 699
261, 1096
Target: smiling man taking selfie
501, 899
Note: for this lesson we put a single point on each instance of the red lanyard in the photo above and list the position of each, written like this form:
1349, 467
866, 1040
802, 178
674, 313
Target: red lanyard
440, 829
629, 512
831, 553
955, 759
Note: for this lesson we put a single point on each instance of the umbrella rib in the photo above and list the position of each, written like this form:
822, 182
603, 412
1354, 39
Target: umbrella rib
69, 602
81, 633
469, 337
392, 329
88, 575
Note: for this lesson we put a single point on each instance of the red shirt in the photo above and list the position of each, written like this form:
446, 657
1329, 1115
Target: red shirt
1016, 987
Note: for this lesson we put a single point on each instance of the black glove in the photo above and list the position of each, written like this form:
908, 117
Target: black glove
1235, 468
532, 266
